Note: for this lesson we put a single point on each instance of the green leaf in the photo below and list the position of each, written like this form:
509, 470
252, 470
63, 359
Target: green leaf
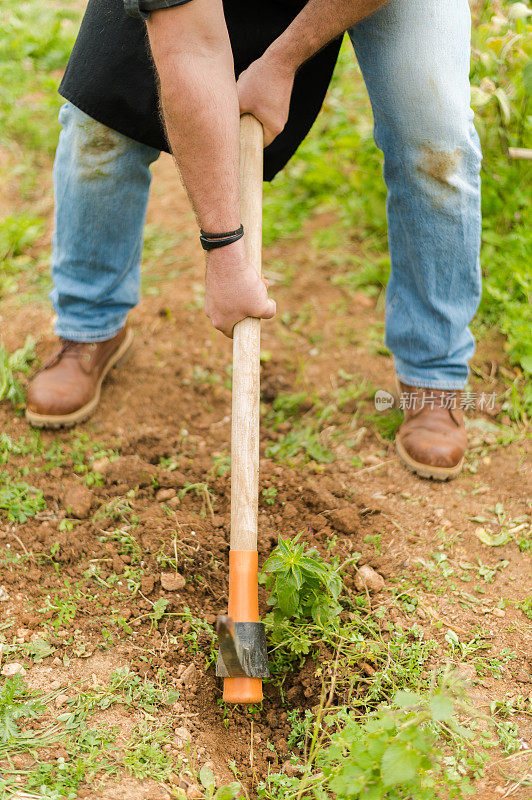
206, 777
504, 104
274, 562
441, 707
402, 699
229, 792
399, 764
492, 539
287, 594
526, 361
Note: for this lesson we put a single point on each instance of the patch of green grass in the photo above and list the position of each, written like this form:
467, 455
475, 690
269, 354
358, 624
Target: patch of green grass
35, 44
303, 442
11, 365
17, 234
89, 752
18, 500
387, 423
369, 275
199, 636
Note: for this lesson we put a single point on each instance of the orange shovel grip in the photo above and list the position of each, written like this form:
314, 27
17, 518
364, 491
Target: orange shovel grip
243, 607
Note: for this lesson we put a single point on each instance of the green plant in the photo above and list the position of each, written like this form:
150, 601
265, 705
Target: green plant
414, 746
269, 495
395, 753
17, 234
203, 491
304, 592
11, 364
18, 707
387, 423
199, 636
19, 501
502, 86
305, 442
229, 792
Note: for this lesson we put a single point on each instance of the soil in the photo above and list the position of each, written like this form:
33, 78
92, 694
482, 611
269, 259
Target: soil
157, 407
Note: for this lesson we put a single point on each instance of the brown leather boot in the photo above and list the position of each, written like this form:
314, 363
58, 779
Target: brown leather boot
66, 390
432, 439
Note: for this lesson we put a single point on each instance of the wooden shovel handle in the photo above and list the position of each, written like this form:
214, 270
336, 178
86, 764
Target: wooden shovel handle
246, 353
243, 561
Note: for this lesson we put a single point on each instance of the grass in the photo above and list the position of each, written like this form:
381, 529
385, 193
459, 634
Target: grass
18, 500
12, 365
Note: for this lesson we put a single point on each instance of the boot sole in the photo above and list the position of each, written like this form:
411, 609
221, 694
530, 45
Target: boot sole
426, 470
55, 421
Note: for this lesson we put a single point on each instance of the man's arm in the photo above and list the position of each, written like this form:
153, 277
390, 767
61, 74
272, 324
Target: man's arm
264, 89
191, 50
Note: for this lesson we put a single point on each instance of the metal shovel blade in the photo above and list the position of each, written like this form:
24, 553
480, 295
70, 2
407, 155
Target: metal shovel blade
243, 650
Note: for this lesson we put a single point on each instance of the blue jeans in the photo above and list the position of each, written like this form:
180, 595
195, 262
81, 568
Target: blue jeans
414, 56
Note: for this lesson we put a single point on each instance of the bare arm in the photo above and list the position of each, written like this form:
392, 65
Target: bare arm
265, 88
191, 50
192, 53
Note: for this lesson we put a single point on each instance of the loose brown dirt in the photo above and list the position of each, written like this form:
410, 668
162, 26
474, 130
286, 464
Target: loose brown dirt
172, 401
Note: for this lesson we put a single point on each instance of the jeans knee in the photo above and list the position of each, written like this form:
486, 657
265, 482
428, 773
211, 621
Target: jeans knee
441, 154
94, 148
449, 163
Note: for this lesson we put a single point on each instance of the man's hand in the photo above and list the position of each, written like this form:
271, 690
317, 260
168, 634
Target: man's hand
264, 90
265, 87
234, 290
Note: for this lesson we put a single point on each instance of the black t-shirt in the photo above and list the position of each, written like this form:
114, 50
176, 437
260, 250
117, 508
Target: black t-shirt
111, 77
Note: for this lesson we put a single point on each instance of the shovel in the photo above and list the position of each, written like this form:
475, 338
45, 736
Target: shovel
242, 658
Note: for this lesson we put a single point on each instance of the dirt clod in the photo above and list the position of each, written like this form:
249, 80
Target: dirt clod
131, 471
344, 520
78, 501
164, 494
368, 578
60, 700
182, 735
172, 581
190, 675
147, 584
10, 670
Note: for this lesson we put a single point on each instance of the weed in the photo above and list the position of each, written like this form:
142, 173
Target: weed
199, 636
269, 495
370, 275
18, 362
19, 501
203, 491
221, 464
304, 593
387, 424
17, 234
398, 751
305, 442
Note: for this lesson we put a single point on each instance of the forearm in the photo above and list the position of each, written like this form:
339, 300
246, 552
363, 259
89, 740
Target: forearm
192, 53
318, 23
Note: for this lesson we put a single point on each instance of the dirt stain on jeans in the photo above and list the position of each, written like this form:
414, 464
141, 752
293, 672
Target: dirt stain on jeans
440, 165
98, 147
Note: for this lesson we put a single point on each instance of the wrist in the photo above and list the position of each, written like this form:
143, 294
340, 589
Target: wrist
282, 57
228, 257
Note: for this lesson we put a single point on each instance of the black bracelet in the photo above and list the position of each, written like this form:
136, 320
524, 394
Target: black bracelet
210, 241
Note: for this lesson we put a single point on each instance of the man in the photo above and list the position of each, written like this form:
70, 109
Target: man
414, 56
